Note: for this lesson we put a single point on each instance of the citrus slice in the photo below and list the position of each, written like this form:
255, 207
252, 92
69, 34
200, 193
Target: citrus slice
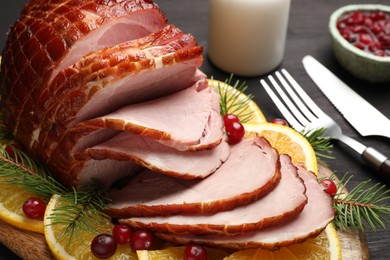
79, 248
252, 108
287, 141
176, 253
326, 246
11, 201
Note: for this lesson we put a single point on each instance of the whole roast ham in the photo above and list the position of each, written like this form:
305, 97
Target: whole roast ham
69, 62
108, 91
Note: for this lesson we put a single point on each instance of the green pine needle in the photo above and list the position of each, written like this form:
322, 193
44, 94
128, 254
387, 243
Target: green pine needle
321, 145
79, 210
363, 205
81, 206
27, 173
229, 102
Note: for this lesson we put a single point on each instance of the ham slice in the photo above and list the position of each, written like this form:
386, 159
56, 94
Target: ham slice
160, 158
251, 171
178, 120
316, 215
290, 194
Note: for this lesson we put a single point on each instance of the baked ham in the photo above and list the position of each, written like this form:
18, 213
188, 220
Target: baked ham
250, 172
76, 64
316, 215
52, 35
264, 212
107, 91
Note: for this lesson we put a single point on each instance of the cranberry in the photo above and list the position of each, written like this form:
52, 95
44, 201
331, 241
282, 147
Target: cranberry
34, 208
103, 246
329, 186
368, 31
279, 121
142, 240
230, 118
121, 234
235, 132
195, 252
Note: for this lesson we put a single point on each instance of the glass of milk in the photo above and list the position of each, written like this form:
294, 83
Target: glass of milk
247, 37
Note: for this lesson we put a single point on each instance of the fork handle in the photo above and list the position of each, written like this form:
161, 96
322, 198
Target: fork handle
377, 159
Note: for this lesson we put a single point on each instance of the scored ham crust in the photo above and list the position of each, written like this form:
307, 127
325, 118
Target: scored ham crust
42, 43
264, 212
316, 215
251, 171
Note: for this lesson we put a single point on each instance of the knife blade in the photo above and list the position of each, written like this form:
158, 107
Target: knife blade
364, 117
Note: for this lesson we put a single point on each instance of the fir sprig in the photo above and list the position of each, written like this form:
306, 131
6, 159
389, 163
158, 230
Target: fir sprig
321, 145
80, 207
231, 102
78, 210
27, 173
363, 205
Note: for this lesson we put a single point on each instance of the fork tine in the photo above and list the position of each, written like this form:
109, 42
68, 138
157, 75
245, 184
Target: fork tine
298, 102
282, 108
290, 105
309, 102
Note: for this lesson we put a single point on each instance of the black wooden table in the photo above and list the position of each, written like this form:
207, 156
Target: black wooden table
307, 34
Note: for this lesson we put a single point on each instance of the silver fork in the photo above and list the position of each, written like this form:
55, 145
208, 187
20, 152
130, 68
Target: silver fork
304, 115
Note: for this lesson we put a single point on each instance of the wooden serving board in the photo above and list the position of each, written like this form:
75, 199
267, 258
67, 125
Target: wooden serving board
32, 246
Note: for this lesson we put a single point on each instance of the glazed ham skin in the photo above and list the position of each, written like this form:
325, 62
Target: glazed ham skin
250, 172
314, 218
52, 35
284, 202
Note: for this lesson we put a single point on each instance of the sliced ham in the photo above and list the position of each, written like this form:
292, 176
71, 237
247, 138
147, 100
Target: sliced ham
250, 172
316, 215
52, 35
289, 195
147, 78
160, 158
178, 120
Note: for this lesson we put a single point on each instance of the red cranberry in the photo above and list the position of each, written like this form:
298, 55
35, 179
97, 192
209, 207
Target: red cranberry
279, 121
34, 208
103, 246
121, 234
142, 240
235, 132
195, 252
230, 119
329, 186
368, 31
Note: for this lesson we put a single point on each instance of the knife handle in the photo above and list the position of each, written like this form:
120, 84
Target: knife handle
377, 159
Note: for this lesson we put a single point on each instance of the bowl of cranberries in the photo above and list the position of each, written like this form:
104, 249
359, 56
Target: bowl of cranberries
361, 40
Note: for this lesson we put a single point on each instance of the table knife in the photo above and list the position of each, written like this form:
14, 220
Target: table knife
364, 117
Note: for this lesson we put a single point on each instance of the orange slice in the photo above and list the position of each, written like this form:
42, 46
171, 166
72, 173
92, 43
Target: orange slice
256, 115
287, 141
79, 248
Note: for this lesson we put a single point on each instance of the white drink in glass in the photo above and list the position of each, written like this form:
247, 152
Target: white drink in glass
247, 37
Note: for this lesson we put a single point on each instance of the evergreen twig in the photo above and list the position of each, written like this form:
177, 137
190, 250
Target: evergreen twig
230, 102
321, 145
363, 205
